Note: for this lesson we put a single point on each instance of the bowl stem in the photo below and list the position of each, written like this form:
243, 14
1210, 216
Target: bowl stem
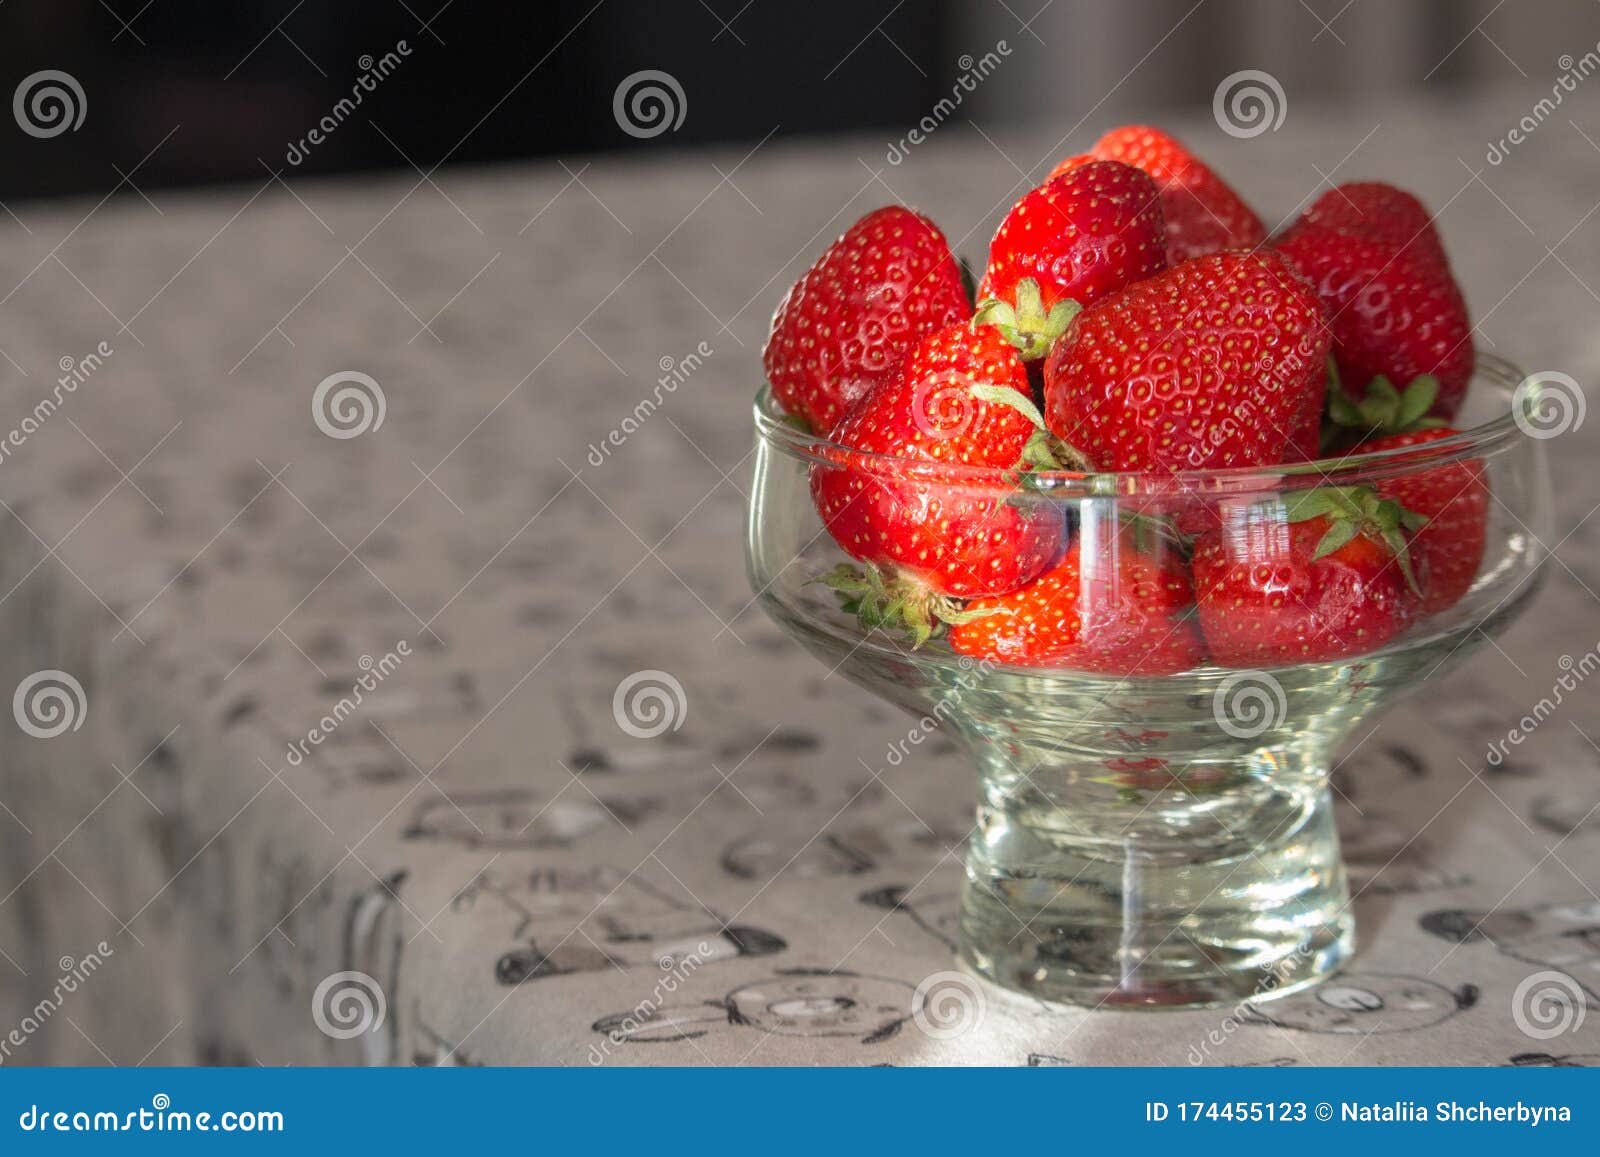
1216, 885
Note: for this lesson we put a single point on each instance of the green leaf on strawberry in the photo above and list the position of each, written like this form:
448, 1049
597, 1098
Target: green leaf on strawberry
1382, 412
1042, 450
894, 604
1353, 510
1027, 325
1083, 234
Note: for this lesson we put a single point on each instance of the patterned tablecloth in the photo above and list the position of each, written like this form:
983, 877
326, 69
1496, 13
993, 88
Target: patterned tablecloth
549, 501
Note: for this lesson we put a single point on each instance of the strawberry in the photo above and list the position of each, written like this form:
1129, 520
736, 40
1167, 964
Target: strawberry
1324, 575
1072, 240
1203, 215
848, 322
1393, 304
1453, 496
959, 400
1306, 428
1122, 613
1454, 499
1219, 361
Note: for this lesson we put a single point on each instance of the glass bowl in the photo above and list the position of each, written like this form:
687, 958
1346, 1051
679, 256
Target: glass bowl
1152, 833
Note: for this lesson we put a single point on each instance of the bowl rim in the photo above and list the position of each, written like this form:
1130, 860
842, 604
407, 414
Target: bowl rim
1484, 439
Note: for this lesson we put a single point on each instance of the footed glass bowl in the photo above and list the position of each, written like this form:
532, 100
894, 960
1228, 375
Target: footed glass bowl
1158, 839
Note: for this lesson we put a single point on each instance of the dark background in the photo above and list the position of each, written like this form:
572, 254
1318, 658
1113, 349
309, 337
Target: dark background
243, 78
485, 82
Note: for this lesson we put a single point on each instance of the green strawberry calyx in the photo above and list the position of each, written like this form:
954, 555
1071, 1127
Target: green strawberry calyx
1384, 409
1353, 510
1043, 450
1154, 534
895, 603
1027, 325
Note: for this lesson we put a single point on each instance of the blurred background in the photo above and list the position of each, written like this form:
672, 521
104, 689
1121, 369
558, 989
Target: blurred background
244, 79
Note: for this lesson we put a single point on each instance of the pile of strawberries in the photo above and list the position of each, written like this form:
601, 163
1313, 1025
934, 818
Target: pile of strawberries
1134, 317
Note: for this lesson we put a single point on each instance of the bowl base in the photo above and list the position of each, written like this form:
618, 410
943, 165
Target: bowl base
1107, 926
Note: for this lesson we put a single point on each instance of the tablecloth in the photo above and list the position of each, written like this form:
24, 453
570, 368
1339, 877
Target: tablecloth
388, 687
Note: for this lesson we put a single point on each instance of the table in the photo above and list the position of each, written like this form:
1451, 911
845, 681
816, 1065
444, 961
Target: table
478, 565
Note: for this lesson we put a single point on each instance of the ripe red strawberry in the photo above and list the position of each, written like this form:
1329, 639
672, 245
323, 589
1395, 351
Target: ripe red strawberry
1325, 576
1395, 309
1203, 214
958, 400
1122, 613
848, 322
1067, 243
1453, 497
1220, 361
1378, 211
1305, 432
